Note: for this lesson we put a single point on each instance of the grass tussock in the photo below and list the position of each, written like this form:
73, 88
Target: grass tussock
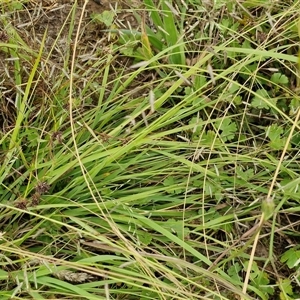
149, 150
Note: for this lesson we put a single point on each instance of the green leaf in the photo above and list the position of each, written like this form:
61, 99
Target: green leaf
231, 54
259, 100
173, 187
234, 271
294, 105
169, 181
145, 238
228, 128
200, 81
274, 132
209, 138
244, 174
286, 288
176, 226
127, 51
291, 257
247, 44
197, 126
279, 78
106, 17
211, 188
237, 100
198, 101
225, 25
234, 87
259, 279
278, 145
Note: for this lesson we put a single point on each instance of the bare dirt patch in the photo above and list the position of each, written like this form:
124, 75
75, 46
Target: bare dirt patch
57, 23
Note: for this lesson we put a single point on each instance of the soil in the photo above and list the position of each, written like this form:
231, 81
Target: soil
54, 18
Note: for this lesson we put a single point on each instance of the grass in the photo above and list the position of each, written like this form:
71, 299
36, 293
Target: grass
156, 159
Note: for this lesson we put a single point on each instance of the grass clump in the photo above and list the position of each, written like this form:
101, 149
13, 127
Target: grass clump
149, 150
